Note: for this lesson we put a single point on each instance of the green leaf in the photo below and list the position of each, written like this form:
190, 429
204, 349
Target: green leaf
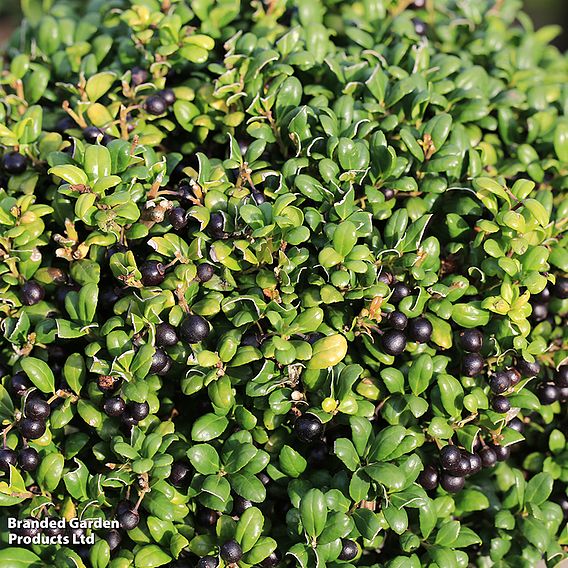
420, 373
386, 442
70, 174
291, 462
75, 372
367, 523
39, 374
204, 459
313, 512
345, 451
99, 554
50, 471
539, 488
249, 528
12, 557
151, 556
344, 238
208, 427
328, 352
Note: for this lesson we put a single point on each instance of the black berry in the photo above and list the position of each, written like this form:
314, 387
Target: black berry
240, 505
91, 134
472, 364
452, 483
114, 538
514, 376
178, 218
516, 424
231, 551
461, 469
168, 95
400, 290
37, 408
205, 272
194, 329
20, 384
499, 382
475, 463
488, 457
138, 410
179, 474
547, 393
501, 404
501, 452
561, 378
206, 517
258, 197
450, 456
528, 369
153, 273
32, 429
28, 458
419, 27
139, 76
308, 428
216, 225
129, 519
272, 560
8, 457
394, 342
108, 383
155, 105
159, 361
166, 335
349, 549
428, 477
561, 288
114, 406
471, 340
31, 530
14, 163
386, 277
420, 330
208, 562
388, 192
397, 320
539, 312
52, 529
32, 293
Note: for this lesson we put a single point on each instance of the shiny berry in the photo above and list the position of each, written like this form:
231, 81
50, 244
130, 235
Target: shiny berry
450, 456
539, 312
349, 549
166, 335
308, 428
159, 361
32, 429
419, 27
272, 560
20, 384
420, 330
385, 277
560, 289
91, 134
168, 95
32, 293
501, 452
514, 376
452, 483
114, 538
472, 364
138, 410
231, 551
178, 218
547, 393
31, 530
500, 404
139, 76
240, 505
258, 197
207, 562
216, 225
499, 382
527, 369
205, 272
37, 408
471, 340
179, 474
561, 377
153, 273
14, 163
206, 517
114, 406
400, 290
394, 342
428, 477
516, 424
8, 457
397, 320
488, 457
28, 458
475, 463
388, 192
155, 105
194, 329
129, 519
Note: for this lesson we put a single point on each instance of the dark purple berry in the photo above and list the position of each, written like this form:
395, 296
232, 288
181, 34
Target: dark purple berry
91, 134
240, 505
400, 290
194, 329
32, 429
547, 393
155, 105
394, 342
159, 361
207, 562
528, 369
37, 408
397, 320
231, 551
114, 538
114, 406
308, 428
500, 404
450, 456
420, 330
153, 273
178, 218
168, 95
349, 549
561, 377
501, 452
166, 335
488, 457
206, 517
129, 519
14, 163
32, 293
428, 477
138, 410
272, 560
471, 340
539, 312
8, 457
452, 483
499, 382
561, 288
179, 474
472, 364
28, 458
205, 272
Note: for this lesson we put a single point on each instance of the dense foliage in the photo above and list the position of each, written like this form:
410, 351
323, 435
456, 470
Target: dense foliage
284, 284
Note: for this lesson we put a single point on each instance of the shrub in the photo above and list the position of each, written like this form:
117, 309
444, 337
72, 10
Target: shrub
284, 284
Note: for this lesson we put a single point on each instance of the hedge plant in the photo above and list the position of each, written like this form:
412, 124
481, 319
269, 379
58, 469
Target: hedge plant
283, 284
